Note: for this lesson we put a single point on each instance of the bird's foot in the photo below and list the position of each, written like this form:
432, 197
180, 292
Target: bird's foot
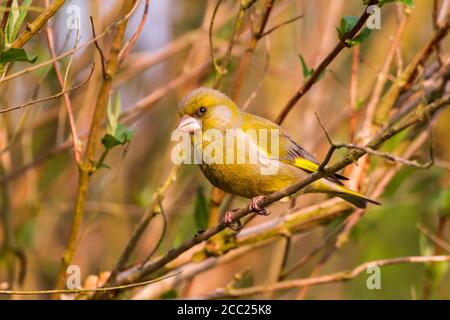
254, 206
234, 225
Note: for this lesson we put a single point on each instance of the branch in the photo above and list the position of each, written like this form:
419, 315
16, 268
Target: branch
97, 46
34, 27
55, 96
69, 291
219, 70
87, 166
341, 276
153, 210
368, 150
324, 64
130, 43
108, 30
62, 84
404, 81
266, 33
429, 234
245, 62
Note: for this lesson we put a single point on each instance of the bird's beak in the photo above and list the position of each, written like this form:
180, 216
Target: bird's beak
188, 124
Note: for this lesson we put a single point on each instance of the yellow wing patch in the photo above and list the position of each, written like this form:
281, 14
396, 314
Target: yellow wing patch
306, 165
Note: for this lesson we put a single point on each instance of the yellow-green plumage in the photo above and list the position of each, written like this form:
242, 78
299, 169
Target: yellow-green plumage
246, 179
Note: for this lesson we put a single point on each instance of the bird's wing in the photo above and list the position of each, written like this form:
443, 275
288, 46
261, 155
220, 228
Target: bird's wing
290, 152
296, 155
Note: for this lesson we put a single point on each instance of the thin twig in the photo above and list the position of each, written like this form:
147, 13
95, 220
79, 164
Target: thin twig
217, 67
130, 43
55, 96
87, 165
97, 46
161, 237
153, 210
34, 27
324, 64
430, 235
246, 60
108, 30
258, 87
62, 84
368, 150
281, 25
341, 276
72, 291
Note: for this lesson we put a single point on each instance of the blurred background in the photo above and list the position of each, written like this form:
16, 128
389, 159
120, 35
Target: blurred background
171, 57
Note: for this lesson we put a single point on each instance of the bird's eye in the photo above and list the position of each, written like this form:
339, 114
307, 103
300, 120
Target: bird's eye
202, 110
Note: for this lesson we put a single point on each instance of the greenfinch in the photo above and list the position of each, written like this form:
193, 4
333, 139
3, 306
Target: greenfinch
206, 110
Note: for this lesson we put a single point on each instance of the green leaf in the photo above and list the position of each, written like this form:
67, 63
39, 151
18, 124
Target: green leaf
122, 136
102, 166
306, 71
12, 19
113, 112
201, 210
16, 18
361, 37
109, 141
116, 133
16, 54
346, 25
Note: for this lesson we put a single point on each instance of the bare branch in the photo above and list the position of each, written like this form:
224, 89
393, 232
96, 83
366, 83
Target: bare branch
70, 291
430, 235
281, 25
323, 65
97, 46
341, 276
55, 96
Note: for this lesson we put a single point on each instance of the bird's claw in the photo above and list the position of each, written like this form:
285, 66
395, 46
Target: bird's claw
234, 225
254, 206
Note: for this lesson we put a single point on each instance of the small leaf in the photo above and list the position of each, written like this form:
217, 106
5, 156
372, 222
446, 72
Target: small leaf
109, 141
12, 19
16, 54
201, 210
113, 112
360, 38
16, 18
306, 71
122, 136
102, 166
346, 25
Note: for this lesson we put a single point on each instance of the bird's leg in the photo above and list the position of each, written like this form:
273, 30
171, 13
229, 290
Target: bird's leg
234, 225
254, 206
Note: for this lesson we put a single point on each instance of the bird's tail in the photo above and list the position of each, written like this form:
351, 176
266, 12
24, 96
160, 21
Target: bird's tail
330, 187
354, 197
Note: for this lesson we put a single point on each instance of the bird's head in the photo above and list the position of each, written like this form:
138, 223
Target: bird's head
205, 108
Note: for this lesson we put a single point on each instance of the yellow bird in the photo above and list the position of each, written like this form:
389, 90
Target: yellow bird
211, 116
